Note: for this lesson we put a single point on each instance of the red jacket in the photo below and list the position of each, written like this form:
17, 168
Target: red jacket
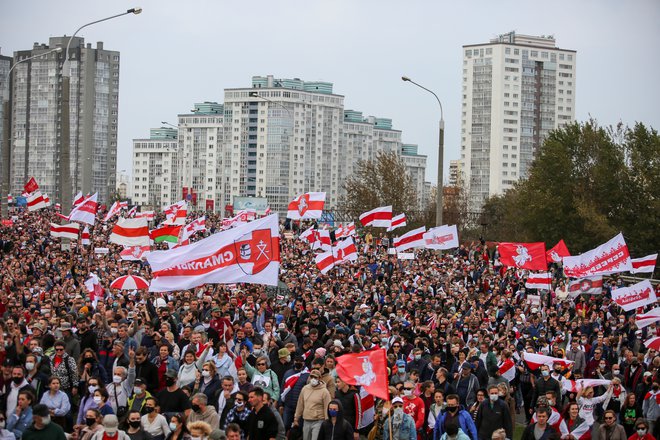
415, 408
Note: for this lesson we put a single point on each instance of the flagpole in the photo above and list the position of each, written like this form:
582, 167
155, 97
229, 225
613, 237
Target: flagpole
389, 418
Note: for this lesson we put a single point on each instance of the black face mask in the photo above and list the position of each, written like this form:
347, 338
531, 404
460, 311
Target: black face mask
88, 361
89, 421
148, 409
134, 423
195, 407
169, 381
452, 409
17, 380
298, 366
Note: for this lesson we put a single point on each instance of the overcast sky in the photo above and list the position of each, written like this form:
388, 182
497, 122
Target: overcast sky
177, 53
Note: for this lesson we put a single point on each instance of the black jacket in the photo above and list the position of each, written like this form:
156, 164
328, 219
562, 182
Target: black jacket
543, 386
149, 373
340, 430
348, 405
492, 416
88, 340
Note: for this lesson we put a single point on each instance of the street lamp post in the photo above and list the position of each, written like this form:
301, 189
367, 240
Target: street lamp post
6, 135
441, 152
65, 141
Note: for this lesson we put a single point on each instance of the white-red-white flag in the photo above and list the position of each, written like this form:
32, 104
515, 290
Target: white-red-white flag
586, 285
114, 209
441, 238
644, 264
176, 214
96, 291
322, 240
246, 215
133, 212
325, 261
78, 199
541, 281
197, 225
35, 201
645, 319
46, 199
249, 253
134, 253
507, 369
306, 206
637, 295
398, 221
149, 215
366, 409
345, 250
410, 239
349, 229
69, 231
573, 386
86, 211
130, 232
378, 217
535, 360
608, 258
267, 211
84, 238
290, 382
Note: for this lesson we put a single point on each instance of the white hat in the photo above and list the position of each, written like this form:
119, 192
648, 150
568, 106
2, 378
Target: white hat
338, 343
397, 400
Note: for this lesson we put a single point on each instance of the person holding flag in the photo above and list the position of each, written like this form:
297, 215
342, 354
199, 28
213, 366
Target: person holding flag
399, 425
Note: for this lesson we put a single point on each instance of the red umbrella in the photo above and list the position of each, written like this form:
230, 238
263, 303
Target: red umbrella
653, 343
130, 282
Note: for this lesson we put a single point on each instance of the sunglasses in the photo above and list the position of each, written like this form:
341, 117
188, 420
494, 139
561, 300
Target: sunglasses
609, 418
261, 364
59, 349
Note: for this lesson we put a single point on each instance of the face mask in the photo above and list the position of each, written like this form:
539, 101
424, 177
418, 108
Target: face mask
29, 366
500, 394
113, 330
89, 421
616, 372
641, 432
92, 388
195, 407
407, 392
558, 370
195, 438
333, 412
256, 352
169, 381
493, 397
298, 366
288, 359
45, 420
149, 409
314, 382
206, 373
172, 426
240, 404
418, 357
551, 402
134, 423
116, 379
137, 390
398, 413
111, 431
545, 373
2, 424
17, 380
602, 366
98, 399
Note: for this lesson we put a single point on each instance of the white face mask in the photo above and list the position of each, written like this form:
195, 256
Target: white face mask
92, 388
29, 366
407, 392
172, 426
137, 390
641, 432
98, 399
206, 373
116, 379
493, 397
314, 382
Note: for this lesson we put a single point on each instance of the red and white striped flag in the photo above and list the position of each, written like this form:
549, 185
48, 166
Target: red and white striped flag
130, 232
132, 212
325, 262
94, 288
267, 211
134, 253
366, 408
644, 264
114, 209
378, 217
587, 285
322, 240
246, 215
541, 281
573, 386
197, 225
84, 238
176, 214
78, 199
442, 237
35, 201
637, 295
507, 369
345, 250
645, 319
535, 360
149, 215
86, 211
69, 231
410, 239
349, 229
10, 199
397, 222
46, 199
306, 206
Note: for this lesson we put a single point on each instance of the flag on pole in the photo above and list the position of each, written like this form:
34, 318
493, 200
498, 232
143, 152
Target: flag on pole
78, 199
133, 213
410, 239
249, 253
523, 255
86, 211
130, 232
84, 238
325, 262
169, 233
644, 264
366, 408
176, 214
69, 231
608, 258
558, 252
586, 285
378, 217
149, 215
441, 238
541, 281
35, 201
398, 221
94, 288
637, 295
31, 185
366, 369
645, 319
306, 206
114, 209
134, 253
46, 199
534, 361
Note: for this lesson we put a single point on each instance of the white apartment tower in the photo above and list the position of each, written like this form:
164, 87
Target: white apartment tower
416, 167
203, 157
516, 89
156, 169
36, 124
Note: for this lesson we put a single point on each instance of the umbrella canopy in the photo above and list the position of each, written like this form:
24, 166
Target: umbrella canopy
130, 282
653, 343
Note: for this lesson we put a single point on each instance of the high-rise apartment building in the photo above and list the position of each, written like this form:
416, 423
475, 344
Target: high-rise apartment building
156, 169
516, 88
416, 166
36, 117
5, 66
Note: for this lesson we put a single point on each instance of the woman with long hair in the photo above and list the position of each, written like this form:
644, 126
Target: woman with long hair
578, 427
178, 428
208, 383
89, 366
630, 412
57, 402
190, 366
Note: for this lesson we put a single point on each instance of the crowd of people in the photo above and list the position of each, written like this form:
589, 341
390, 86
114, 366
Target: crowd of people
247, 362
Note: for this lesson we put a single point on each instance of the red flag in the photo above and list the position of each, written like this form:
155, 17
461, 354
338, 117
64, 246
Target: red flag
367, 369
558, 252
31, 185
524, 255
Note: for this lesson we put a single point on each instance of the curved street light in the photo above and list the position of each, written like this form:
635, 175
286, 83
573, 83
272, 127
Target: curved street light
441, 152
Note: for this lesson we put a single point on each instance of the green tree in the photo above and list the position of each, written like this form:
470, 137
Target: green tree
586, 184
379, 182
